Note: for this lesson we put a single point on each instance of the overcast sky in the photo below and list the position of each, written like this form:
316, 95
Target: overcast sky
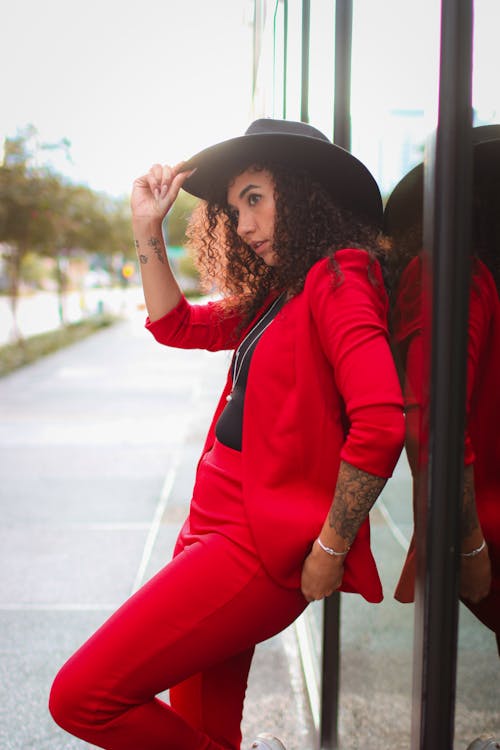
128, 83
132, 83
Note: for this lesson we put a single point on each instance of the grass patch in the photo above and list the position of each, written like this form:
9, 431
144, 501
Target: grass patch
13, 356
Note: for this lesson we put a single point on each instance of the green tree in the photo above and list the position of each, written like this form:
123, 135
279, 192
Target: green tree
70, 216
22, 221
118, 238
42, 212
32, 270
83, 221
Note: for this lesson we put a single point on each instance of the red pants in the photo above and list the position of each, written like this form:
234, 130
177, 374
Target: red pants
192, 628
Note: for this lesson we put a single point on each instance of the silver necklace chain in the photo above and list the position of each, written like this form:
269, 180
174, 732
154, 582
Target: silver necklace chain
238, 364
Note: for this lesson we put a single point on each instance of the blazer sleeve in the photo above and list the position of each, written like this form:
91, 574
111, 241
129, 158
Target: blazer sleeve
187, 326
349, 307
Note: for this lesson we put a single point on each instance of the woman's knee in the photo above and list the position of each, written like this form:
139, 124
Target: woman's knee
70, 702
61, 699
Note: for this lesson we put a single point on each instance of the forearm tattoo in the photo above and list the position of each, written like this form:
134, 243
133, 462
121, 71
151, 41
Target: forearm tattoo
470, 520
142, 258
157, 247
355, 494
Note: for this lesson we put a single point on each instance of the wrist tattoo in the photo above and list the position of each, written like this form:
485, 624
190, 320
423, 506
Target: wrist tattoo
142, 258
355, 494
158, 250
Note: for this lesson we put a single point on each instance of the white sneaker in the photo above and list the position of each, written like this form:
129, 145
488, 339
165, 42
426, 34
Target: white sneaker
484, 742
265, 741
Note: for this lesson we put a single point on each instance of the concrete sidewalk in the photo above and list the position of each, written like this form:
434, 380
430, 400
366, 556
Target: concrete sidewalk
98, 448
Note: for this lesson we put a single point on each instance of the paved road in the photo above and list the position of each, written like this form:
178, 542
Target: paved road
98, 444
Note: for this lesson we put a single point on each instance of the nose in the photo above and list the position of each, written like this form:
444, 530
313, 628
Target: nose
246, 224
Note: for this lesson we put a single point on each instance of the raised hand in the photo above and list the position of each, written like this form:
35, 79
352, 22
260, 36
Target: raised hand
154, 193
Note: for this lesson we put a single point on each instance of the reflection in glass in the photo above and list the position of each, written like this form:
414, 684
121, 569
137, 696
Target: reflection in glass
477, 668
480, 523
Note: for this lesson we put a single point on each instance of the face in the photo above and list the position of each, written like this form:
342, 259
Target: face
251, 201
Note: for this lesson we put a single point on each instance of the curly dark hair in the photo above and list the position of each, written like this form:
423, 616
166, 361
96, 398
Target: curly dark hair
309, 226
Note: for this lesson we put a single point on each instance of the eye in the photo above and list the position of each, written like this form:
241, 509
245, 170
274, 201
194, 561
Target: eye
253, 199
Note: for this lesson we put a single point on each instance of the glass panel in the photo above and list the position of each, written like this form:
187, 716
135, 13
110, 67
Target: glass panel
478, 692
477, 666
393, 102
294, 76
485, 91
321, 65
394, 84
395, 66
271, 87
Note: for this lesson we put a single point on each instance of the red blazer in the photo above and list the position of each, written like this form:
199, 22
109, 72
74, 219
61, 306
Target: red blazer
322, 387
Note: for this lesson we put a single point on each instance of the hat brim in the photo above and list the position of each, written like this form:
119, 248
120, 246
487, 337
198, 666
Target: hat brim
347, 179
404, 207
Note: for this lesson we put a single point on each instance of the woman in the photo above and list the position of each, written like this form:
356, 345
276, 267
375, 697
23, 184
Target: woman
480, 527
311, 412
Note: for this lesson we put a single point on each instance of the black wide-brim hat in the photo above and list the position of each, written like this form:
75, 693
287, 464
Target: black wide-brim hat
296, 145
404, 207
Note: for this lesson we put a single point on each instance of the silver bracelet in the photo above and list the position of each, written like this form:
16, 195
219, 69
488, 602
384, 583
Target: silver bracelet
474, 551
331, 551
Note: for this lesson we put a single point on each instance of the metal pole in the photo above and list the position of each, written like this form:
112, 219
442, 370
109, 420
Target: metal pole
342, 93
447, 207
257, 42
285, 54
330, 674
330, 671
306, 28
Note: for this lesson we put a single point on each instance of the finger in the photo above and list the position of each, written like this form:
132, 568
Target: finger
179, 167
306, 594
157, 171
167, 174
154, 178
313, 596
142, 181
180, 179
475, 596
166, 182
172, 190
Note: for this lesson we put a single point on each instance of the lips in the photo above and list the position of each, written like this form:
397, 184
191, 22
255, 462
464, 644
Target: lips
259, 246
